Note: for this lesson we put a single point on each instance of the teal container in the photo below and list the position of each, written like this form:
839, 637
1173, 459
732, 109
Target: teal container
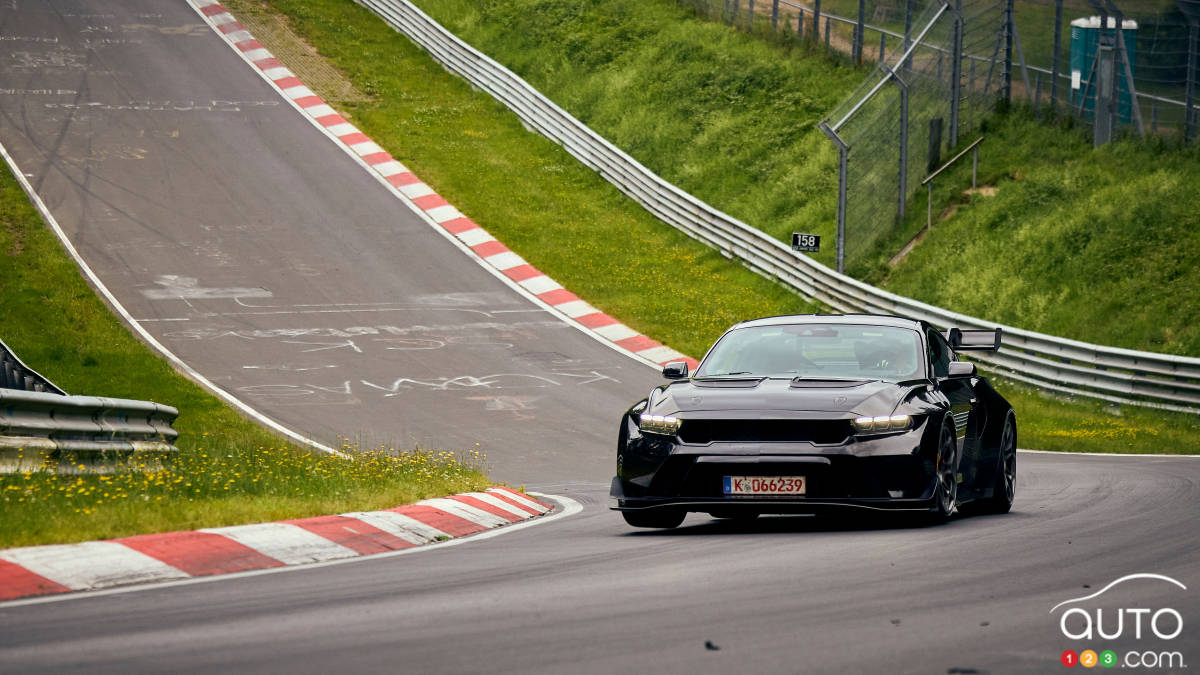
1085, 41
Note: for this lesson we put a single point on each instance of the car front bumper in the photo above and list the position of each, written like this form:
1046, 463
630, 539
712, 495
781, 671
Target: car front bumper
894, 472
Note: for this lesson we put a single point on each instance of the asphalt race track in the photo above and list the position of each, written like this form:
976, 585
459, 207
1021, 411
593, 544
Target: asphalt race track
262, 255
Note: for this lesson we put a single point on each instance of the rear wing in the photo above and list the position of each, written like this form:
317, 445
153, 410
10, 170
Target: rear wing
973, 340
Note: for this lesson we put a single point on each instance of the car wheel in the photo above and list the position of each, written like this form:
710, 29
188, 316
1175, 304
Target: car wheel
946, 488
657, 518
1005, 487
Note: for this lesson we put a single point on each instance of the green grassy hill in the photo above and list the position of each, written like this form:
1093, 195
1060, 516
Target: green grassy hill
1096, 245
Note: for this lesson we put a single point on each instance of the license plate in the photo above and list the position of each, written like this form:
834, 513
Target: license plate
765, 485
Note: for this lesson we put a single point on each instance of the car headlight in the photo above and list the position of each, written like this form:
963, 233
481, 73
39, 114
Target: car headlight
659, 424
882, 424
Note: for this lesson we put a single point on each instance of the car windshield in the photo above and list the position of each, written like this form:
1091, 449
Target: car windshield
835, 351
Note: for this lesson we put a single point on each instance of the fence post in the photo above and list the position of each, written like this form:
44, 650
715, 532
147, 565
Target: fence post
956, 72
858, 33
775, 15
750, 14
816, 31
907, 25
1008, 50
826, 34
903, 201
843, 161
1106, 86
1037, 92
1189, 131
800, 24
736, 7
1058, 7
882, 46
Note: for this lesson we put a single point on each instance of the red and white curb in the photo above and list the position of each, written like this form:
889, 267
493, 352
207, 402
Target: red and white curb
44, 570
425, 201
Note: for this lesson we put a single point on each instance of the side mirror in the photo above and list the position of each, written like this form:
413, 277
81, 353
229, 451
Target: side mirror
962, 369
676, 370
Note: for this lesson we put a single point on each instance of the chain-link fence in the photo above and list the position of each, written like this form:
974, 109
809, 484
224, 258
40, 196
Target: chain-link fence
1065, 56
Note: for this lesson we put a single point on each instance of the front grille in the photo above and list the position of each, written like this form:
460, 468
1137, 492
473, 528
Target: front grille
821, 432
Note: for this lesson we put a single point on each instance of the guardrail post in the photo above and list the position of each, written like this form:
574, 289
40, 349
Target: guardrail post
800, 24
775, 15
882, 45
827, 34
816, 31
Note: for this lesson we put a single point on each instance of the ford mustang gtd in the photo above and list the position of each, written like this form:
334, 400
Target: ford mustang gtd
818, 413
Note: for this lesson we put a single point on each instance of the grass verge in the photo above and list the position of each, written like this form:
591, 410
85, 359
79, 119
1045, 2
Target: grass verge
577, 228
229, 470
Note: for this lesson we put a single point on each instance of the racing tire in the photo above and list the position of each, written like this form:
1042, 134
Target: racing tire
662, 519
945, 494
1005, 488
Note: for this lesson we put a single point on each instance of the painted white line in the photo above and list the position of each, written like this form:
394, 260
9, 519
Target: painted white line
499, 503
400, 525
478, 516
519, 498
569, 506
1066, 453
137, 327
92, 564
284, 542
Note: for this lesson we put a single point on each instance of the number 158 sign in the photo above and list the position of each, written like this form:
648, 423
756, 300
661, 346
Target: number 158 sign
806, 242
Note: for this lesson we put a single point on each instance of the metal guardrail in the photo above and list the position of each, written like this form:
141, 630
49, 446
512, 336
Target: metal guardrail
1051, 363
82, 432
40, 423
14, 374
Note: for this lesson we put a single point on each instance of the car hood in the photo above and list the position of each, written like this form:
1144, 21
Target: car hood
770, 397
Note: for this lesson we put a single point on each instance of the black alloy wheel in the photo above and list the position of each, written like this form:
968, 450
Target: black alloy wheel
1005, 488
946, 491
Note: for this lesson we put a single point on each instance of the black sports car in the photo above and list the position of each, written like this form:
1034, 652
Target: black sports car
816, 413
